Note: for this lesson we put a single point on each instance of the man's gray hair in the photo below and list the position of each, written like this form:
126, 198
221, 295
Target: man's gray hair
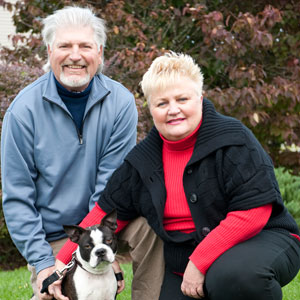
73, 16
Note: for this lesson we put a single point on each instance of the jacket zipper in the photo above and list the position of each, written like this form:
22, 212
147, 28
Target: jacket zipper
80, 137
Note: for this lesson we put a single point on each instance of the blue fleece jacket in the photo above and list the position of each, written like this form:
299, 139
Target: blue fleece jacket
51, 173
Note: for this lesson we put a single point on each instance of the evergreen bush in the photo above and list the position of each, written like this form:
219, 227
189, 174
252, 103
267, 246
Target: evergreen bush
290, 187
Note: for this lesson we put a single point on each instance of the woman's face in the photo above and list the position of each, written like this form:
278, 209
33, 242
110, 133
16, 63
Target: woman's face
176, 110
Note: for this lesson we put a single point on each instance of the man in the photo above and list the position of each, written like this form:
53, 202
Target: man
62, 138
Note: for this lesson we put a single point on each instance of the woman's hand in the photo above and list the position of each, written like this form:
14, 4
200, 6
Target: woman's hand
193, 281
121, 283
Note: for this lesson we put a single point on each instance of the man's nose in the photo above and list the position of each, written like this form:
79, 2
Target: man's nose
75, 53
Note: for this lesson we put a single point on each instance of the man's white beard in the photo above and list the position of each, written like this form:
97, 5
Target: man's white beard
71, 81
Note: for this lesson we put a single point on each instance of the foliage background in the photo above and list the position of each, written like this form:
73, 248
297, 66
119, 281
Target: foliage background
249, 53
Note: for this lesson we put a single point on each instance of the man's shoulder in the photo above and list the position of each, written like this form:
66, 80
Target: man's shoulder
112, 85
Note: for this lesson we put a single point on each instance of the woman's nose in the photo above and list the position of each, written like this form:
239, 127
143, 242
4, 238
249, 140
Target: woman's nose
173, 109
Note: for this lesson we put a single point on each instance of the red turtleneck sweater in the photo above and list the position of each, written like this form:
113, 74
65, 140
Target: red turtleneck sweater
175, 156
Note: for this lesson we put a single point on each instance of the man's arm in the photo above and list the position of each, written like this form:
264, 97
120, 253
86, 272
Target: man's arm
122, 140
18, 186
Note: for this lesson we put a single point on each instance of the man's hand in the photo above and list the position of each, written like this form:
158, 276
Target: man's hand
121, 283
42, 275
55, 287
193, 280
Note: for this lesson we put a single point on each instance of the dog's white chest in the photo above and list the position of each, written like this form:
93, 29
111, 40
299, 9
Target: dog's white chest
95, 287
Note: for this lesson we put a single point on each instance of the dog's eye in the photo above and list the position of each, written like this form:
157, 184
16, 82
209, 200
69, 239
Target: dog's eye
87, 246
109, 241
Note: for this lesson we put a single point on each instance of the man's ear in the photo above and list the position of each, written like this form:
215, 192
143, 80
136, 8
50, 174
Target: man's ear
74, 232
100, 55
110, 220
48, 50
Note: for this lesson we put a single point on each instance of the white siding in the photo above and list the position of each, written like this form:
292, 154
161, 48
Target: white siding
6, 26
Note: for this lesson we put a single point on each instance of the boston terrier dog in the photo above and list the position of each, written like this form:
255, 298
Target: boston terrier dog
92, 277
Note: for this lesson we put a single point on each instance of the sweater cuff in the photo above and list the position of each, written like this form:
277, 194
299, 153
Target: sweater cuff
238, 226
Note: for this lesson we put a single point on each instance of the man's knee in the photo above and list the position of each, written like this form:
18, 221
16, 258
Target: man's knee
146, 251
33, 280
138, 233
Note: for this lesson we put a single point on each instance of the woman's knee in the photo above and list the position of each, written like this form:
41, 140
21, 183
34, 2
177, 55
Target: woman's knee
241, 281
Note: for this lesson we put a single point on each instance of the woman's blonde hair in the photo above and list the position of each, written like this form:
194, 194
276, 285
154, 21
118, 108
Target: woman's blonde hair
165, 70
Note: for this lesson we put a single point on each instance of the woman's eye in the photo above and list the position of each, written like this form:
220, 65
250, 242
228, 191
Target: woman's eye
182, 99
161, 104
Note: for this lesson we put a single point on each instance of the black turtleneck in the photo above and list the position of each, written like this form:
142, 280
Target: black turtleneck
75, 102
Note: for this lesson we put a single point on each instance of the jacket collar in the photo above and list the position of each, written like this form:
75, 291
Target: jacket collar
216, 131
98, 92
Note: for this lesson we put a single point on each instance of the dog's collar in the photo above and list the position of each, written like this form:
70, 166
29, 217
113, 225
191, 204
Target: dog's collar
76, 261
79, 263
119, 276
74, 258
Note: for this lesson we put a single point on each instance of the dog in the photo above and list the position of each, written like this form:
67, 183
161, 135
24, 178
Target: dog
92, 276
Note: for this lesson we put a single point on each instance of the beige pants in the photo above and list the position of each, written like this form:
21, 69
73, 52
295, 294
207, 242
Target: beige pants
146, 252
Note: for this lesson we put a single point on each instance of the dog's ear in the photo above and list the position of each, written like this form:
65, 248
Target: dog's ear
74, 232
110, 220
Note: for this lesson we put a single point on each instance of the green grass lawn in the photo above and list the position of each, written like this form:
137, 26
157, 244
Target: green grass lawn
14, 285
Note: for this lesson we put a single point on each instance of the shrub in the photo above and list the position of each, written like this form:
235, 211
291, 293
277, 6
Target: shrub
248, 51
10, 258
290, 187
13, 78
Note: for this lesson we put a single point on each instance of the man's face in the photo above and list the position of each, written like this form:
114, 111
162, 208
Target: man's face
74, 57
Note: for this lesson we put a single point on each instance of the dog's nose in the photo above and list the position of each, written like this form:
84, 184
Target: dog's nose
100, 252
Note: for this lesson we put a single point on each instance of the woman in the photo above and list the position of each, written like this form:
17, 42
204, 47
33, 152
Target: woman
208, 189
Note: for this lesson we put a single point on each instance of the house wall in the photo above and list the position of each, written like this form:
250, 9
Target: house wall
6, 26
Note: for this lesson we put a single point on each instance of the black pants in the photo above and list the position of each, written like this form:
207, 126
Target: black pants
255, 269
